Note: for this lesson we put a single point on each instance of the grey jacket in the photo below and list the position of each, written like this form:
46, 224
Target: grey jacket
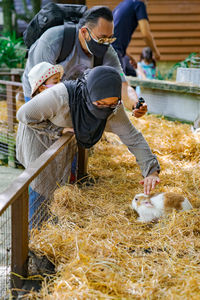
42, 119
47, 48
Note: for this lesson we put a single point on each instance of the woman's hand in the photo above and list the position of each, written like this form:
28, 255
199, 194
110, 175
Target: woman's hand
150, 182
140, 111
67, 129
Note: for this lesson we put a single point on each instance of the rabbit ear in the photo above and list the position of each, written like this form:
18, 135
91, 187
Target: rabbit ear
148, 204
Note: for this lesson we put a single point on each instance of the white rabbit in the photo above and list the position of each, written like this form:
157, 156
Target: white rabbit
152, 207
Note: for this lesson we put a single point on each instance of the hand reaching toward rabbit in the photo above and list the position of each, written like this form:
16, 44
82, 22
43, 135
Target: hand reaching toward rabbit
150, 182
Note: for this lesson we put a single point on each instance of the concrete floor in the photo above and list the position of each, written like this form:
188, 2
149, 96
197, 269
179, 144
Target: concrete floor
7, 175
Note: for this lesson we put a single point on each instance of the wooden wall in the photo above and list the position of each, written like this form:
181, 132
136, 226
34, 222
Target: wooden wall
175, 25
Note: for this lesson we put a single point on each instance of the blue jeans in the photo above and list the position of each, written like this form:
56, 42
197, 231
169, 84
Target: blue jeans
73, 170
27, 98
74, 164
35, 199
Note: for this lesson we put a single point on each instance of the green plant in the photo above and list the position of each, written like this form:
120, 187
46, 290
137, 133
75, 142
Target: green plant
12, 51
182, 64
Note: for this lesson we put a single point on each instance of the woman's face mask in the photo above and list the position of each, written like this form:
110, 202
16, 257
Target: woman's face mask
99, 111
96, 48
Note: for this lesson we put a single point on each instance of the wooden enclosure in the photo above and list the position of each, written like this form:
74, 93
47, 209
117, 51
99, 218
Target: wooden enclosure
16, 198
175, 25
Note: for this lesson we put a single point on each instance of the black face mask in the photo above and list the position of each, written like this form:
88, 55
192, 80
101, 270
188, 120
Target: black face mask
95, 48
99, 113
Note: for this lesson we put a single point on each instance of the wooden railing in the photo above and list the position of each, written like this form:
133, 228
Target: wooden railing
16, 196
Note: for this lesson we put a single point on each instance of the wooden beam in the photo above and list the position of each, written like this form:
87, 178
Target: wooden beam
170, 34
165, 57
163, 8
20, 184
168, 42
6, 82
172, 49
175, 26
154, 18
19, 250
11, 107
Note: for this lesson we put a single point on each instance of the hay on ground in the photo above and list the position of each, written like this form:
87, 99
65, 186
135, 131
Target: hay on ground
100, 250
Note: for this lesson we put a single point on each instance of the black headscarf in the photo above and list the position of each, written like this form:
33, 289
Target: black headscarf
89, 120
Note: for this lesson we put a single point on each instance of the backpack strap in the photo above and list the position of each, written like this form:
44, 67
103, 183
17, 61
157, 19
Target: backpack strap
68, 41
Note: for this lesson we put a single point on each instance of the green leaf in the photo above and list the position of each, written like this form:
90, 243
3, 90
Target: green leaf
12, 51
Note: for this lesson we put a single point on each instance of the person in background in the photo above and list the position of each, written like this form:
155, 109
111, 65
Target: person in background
146, 67
127, 16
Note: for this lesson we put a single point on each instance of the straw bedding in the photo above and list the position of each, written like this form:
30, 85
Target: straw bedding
4, 115
100, 250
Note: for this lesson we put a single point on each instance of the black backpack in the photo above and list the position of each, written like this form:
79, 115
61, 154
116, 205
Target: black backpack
52, 15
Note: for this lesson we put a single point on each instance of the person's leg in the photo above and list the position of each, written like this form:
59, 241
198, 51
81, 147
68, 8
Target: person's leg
73, 170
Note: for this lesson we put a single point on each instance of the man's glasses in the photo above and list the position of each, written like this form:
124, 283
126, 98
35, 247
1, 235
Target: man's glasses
104, 40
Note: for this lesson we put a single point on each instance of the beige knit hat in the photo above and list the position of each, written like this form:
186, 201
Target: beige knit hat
41, 72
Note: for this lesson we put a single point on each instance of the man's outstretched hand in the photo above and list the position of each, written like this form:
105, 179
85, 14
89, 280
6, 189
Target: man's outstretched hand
140, 111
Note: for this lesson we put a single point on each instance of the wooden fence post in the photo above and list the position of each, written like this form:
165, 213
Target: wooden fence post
19, 262
11, 112
11, 107
16, 77
82, 162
